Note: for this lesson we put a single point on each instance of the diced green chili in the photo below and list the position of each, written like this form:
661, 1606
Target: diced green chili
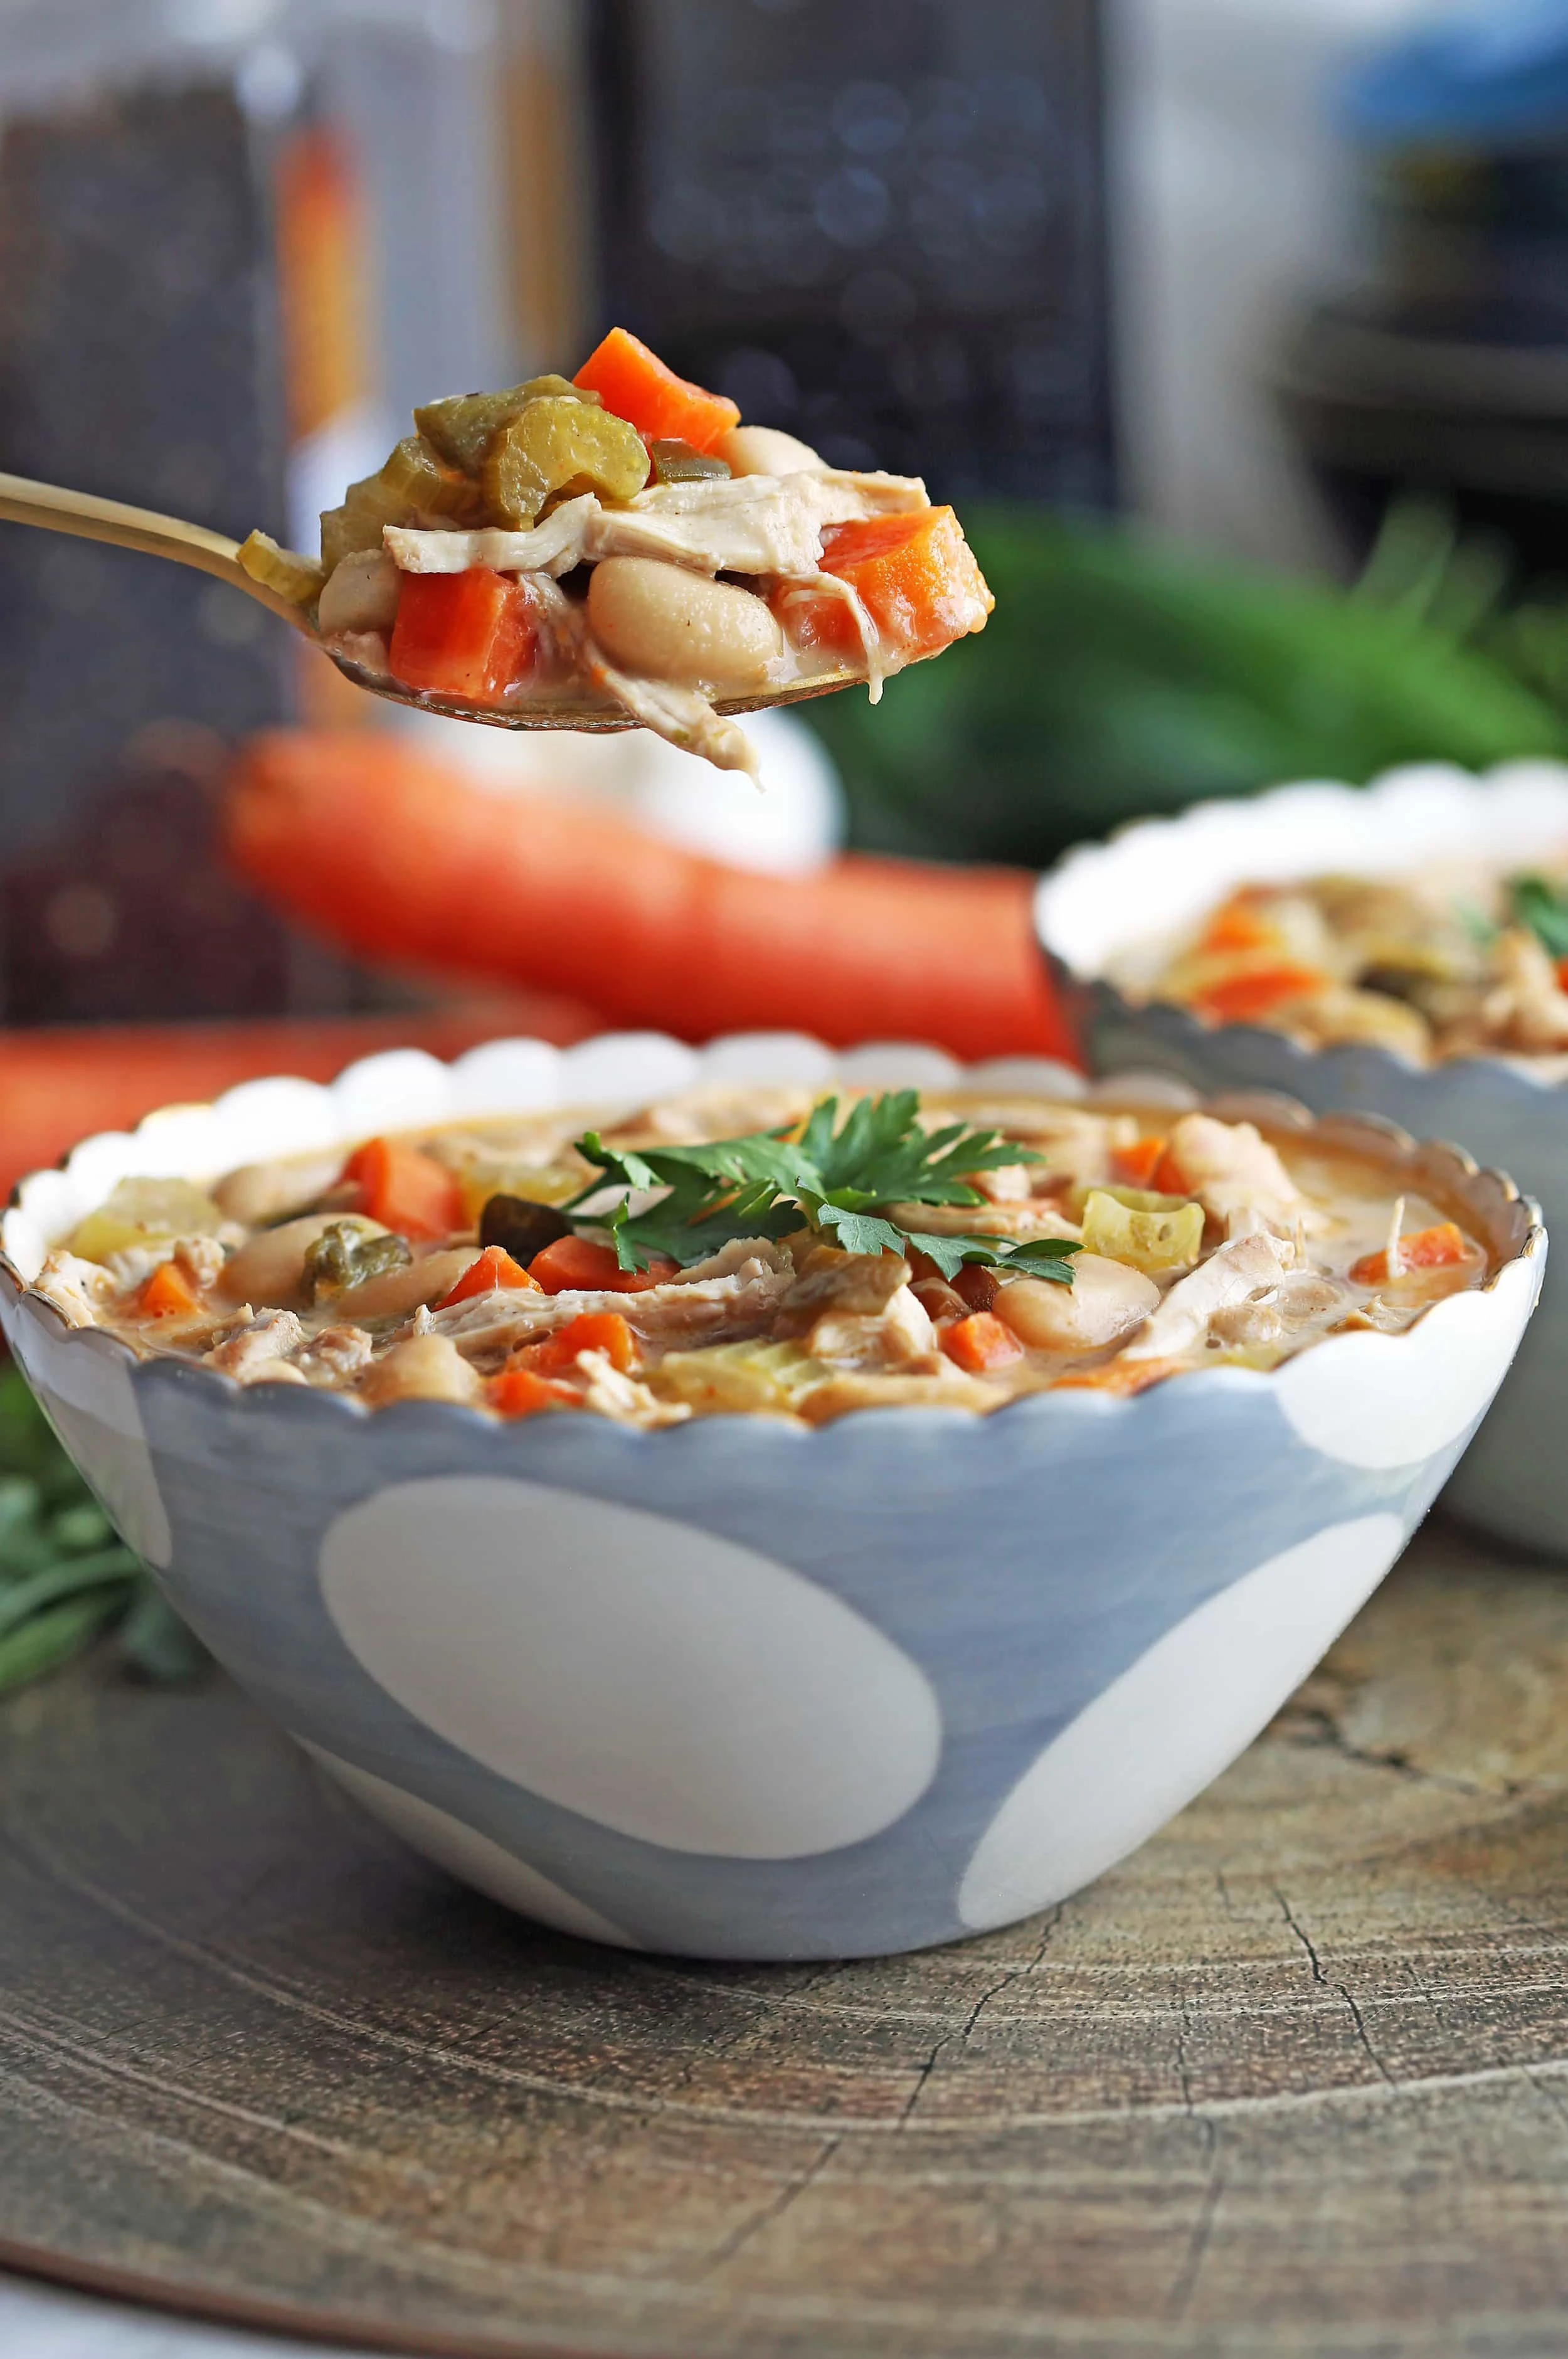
346, 1254
675, 462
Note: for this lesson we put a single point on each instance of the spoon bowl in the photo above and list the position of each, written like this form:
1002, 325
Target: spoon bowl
80, 514
564, 713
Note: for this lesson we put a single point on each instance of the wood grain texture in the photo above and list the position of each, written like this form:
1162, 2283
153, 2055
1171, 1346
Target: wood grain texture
1294, 2079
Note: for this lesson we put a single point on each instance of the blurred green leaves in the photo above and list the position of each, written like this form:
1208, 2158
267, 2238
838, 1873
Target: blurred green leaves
1117, 678
64, 1574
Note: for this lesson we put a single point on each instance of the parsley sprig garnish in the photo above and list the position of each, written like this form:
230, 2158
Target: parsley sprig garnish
842, 1179
1544, 909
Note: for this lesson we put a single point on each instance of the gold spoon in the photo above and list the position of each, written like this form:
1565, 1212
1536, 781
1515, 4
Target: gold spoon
22, 502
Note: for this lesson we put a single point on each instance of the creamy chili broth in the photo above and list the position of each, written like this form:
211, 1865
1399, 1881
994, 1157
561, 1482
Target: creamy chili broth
1453, 960
1199, 1243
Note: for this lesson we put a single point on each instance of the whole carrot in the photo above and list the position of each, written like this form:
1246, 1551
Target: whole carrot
397, 858
59, 1082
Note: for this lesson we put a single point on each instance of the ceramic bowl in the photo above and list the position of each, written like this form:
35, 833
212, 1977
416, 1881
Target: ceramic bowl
1161, 874
738, 1689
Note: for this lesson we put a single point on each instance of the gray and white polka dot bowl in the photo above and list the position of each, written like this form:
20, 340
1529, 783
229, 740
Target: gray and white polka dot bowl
1153, 878
734, 1688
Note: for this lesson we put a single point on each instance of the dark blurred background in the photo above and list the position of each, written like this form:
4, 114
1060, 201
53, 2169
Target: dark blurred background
1236, 327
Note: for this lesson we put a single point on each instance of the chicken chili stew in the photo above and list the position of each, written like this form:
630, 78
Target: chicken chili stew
759, 1251
620, 537
1449, 960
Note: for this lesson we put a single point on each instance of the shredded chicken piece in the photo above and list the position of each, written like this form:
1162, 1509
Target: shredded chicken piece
745, 524
732, 1296
79, 1289
1231, 1167
340, 1351
832, 1279
1527, 1009
1233, 1272
900, 1332
623, 1397
253, 1340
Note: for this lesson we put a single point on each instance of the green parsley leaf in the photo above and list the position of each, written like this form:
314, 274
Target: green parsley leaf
843, 1179
1543, 908
1038, 1257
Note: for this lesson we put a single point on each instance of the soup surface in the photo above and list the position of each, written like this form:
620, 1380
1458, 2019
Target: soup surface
757, 1252
1453, 959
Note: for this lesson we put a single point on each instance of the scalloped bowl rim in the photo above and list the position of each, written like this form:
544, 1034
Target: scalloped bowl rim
1520, 806
503, 1076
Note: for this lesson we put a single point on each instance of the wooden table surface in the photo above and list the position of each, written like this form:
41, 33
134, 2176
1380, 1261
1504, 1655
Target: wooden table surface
1293, 2079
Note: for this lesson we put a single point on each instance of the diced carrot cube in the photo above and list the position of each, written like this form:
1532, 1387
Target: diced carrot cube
915, 574
1239, 925
405, 1188
1120, 1377
470, 633
1441, 1247
636, 385
1136, 1166
168, 1294
591, 1331
1257, 991
518, 1392
494, 1269
980, 1343
577, 1266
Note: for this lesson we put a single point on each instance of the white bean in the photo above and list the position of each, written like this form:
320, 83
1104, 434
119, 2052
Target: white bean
764, 450
360, 594
667, 623
259, 1192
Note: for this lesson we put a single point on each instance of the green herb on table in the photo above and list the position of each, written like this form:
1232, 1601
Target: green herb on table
65, 1576
1544, 909
847, 1181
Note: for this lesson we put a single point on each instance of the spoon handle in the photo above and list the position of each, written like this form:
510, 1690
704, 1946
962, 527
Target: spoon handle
22, 502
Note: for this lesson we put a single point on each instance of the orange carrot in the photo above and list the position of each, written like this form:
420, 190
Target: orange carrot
395, 856
1257, 991
577, 1266
1167, 1178
57, 1082
168, 1294
495, 1268
461, 634
1136, 1166
636, 385
980, 1342
1239, 925
591, 1331
916, 576
405, 1188
518, 1392
1435, 1248
1121, 1377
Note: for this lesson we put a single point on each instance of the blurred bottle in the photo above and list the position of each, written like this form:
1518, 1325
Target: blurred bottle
879, 227
238, 239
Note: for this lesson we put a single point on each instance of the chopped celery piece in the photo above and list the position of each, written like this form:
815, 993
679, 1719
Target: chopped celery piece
558, 446
141, 1211
1153, 1240
464, 425
675, 462
418, 476
1137, 1199
298, 579
740, 1377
